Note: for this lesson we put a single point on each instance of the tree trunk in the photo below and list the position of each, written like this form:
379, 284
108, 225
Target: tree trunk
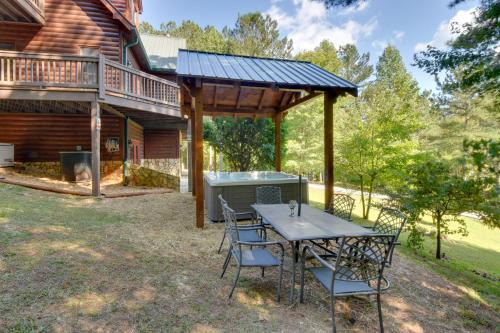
362, 195
438, 237
370, 190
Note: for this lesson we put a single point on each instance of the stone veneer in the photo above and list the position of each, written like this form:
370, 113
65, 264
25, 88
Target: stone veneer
169, 166
111, 171
142, 176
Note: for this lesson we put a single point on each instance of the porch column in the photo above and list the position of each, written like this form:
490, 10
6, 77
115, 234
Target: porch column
198, 152
277, 141
190, 154
193, 153
95, 126
329, 98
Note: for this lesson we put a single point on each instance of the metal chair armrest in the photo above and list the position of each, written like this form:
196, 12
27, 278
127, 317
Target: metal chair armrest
277, 243
251, 227
387, 284
245, 213
323, 262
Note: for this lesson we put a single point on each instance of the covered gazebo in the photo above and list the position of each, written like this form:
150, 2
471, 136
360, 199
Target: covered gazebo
239, 86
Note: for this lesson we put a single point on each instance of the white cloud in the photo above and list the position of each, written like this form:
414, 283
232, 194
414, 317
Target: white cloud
309, 25
358, 7
379, 44
398, 34
446, 31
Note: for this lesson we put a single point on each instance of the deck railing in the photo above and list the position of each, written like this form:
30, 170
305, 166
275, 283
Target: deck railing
44, 70
39, 5
107, 78
134, 84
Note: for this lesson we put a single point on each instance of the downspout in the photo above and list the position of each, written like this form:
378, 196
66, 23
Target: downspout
125, 152
134, 41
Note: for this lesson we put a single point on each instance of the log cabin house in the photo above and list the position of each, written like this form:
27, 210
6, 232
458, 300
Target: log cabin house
76, 76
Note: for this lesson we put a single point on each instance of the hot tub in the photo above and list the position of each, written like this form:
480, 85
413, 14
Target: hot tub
238, 188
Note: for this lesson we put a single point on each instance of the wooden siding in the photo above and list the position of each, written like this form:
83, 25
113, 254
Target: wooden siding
136, 132
161, 144
40, 137
70, 24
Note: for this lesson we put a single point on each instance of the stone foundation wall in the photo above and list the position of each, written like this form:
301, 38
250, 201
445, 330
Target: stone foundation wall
170, 166
142, 176
111, 171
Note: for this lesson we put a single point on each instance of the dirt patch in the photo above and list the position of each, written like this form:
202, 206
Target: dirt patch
139, 265
108, 189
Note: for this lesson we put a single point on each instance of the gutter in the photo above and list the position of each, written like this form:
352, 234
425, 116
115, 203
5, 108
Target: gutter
135, 41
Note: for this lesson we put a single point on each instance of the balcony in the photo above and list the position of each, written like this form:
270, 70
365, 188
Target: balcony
25, 11
80, 78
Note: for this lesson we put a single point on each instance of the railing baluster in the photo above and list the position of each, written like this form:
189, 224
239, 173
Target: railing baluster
1, 69
8, 69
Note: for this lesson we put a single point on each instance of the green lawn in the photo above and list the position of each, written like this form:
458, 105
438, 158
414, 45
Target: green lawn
467, 257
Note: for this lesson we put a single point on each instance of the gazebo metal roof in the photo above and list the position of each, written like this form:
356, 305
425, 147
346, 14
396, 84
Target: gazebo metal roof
277, 72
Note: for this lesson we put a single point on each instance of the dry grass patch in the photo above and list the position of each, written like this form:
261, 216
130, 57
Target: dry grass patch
139, 265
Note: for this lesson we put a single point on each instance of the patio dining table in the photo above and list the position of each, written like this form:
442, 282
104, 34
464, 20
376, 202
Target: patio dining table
312, 224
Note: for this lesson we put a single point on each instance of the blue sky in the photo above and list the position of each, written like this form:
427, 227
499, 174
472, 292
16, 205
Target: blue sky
371, 25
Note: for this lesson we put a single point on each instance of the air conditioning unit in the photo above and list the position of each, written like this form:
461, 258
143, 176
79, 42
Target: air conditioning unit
6, 155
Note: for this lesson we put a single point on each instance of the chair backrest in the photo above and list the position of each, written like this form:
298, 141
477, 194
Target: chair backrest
230, 223
268, 195
341, 206
362, 258
390, 221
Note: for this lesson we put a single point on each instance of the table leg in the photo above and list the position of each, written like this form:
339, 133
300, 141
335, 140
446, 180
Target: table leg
295, 258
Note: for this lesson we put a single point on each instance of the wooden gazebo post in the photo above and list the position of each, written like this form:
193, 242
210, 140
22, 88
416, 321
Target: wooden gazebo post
277, 141
198, 152
329, 99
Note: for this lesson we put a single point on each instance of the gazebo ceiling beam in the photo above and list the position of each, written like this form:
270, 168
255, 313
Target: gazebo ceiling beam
300, 100
230, 109
238, 99
261, 100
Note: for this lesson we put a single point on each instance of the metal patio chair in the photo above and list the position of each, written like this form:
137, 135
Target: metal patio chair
267, 195
356, 270
390, 221
248, 232
341, 206
257, 255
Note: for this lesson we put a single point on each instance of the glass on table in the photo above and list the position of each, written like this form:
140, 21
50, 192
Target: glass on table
292, 204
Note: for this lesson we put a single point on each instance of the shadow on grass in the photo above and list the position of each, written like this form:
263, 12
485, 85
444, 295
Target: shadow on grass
72, 264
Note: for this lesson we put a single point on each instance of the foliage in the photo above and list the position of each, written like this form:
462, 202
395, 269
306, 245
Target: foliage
483, 157
474, 52
305, 131
354, 67
378, 132
256, 34
340, 3
247, 144
458, 116
436, 187
202, 39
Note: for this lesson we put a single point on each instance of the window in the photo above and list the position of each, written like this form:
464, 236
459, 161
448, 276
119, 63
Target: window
89, 70
7, 46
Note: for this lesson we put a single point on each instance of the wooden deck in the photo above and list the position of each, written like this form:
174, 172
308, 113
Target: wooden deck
24, 11
42, 76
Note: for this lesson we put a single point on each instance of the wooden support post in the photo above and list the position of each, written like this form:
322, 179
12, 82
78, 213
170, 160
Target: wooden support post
198, 151
95, 126
193, 153
189, 155
277, 141
329, 99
